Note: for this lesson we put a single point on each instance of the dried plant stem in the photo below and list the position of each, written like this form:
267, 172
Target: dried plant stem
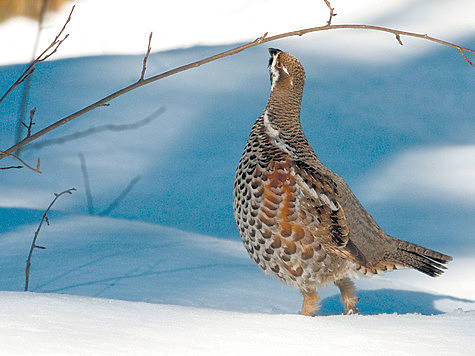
332, 13
256, 42
37, 169
53, 47
26, 86
144, 65
33, 243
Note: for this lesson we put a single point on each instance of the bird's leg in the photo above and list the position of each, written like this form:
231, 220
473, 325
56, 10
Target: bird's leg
310, 306
348, 295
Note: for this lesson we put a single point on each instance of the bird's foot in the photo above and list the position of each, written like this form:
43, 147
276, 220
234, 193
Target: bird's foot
350, 307
310, 306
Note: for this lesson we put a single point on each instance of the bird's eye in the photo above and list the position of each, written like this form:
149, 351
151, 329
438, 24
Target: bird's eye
278, 64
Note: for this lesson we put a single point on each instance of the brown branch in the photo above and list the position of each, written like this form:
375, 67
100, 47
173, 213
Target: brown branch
33, 244
26, 86
332, 14
398, 38
144, 65
463, 55
4, 154
42, 57
256, 42
30, 124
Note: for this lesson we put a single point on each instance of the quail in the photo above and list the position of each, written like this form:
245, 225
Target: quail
300, 221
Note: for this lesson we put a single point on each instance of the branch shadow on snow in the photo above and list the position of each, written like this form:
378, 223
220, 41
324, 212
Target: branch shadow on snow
388, 301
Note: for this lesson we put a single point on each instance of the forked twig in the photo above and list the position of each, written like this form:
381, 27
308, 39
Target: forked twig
30, 124
42, 57
4, 154
33, 244
464, 56
332, 14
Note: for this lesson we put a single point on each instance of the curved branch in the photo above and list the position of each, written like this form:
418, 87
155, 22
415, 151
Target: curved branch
33, 243
37, 169
256, 42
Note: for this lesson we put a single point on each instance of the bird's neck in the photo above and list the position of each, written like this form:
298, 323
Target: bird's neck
283, 108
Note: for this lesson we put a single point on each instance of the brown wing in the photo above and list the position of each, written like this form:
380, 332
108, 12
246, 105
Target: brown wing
321, 195
300, 214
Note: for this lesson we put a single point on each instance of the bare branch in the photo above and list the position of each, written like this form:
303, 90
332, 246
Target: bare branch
398, 38
98, 129
332, 14
121, 196
256, 42
4, 154
26, 86
31, 123
42, 57
33, 243
144, 65
85, 175
463, 55
10, 167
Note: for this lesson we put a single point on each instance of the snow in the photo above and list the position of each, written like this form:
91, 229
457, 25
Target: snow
58, 325
101, 27
424, 175
166, 273
187, 293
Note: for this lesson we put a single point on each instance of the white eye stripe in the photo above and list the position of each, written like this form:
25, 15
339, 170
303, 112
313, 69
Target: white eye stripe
284, 68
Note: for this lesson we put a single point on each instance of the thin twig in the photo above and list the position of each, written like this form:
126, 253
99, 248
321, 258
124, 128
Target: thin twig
398, 38
463, 55
121, 196
42, 57
332, 14
30, 124
256, 42
10, 167
95, 130
87, 186
33, 244
26, 87
144, 65
37, 169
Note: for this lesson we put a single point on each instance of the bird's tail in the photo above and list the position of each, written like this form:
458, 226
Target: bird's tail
420, 258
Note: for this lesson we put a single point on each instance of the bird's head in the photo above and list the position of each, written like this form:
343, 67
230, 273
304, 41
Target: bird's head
286, 72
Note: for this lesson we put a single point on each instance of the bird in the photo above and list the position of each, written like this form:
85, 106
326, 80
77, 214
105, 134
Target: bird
298, 220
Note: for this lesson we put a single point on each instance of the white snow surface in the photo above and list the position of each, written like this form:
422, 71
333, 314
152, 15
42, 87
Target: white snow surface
39, 324
420, 169
187, 294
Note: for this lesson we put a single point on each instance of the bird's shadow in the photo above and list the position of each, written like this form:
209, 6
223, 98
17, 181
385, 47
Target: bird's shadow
388, 301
